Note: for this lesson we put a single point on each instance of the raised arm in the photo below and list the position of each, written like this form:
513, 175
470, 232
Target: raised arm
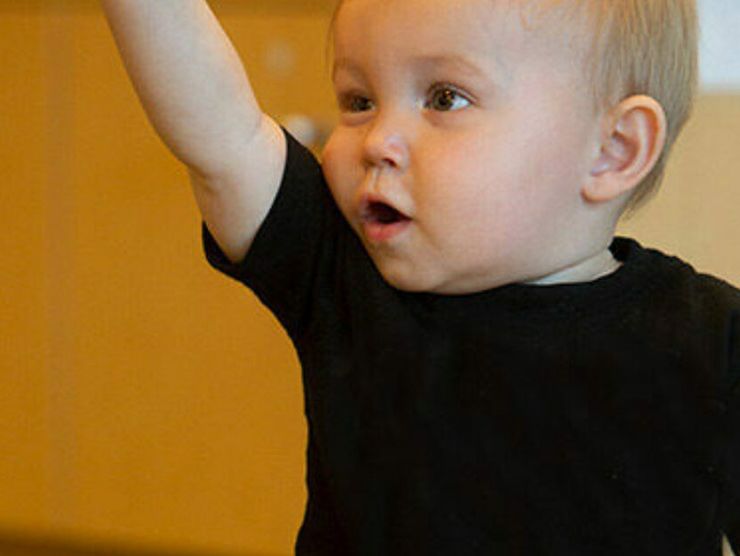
196, 93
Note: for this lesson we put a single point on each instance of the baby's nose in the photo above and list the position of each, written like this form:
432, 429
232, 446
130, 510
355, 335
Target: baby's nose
386, 145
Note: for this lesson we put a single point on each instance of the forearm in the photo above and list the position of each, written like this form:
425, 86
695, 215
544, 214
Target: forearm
189, 79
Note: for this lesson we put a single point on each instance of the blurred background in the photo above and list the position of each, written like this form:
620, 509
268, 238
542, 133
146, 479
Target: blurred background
148, 405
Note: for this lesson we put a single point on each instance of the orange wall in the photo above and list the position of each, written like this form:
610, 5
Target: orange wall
24, 292
145, 399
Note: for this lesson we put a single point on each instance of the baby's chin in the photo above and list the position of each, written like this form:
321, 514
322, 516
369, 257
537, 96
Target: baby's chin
402, 276
407, 278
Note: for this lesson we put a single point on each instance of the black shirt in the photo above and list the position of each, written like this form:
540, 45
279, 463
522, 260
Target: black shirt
594, 418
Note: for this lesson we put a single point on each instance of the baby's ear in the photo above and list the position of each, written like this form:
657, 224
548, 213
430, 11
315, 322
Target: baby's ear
634, 138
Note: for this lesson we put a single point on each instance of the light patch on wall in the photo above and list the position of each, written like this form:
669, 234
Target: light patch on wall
720, 45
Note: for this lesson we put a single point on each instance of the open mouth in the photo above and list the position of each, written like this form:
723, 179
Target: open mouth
381, 222
381, 213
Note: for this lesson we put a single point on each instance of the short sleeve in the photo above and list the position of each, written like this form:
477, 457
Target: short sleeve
297, 234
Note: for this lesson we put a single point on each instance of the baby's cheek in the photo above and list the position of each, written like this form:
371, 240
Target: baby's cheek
329, 155
331, 163
339, 174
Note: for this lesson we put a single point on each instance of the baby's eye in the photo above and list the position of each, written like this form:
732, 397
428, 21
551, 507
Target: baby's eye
446, 99
355, 103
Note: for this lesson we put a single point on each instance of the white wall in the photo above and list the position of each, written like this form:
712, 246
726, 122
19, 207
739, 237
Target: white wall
720, 45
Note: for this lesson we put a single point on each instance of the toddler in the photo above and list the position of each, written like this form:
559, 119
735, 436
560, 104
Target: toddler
487, 369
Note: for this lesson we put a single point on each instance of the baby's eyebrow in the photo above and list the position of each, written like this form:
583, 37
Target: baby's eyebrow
453, 62
343, 64
449, 61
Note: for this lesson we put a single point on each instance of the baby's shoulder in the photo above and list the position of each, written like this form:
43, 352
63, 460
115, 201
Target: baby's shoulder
685, 285
716, 294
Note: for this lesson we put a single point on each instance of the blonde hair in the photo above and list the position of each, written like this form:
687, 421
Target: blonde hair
638, 47
642, 47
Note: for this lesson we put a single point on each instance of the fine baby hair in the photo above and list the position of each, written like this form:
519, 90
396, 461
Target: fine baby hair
640, 48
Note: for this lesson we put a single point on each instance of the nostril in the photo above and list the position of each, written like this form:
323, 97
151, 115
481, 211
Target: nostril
382, 160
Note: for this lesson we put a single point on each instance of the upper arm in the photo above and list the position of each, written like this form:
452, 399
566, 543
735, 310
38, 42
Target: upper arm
235, 201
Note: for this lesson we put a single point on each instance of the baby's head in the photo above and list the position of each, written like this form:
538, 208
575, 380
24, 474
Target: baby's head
485, 142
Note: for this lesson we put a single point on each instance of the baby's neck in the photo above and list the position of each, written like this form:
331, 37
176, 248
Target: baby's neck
587, 270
